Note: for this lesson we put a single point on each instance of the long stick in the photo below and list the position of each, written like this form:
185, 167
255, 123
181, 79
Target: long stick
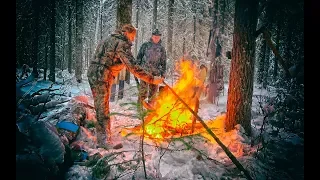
142, 150
226, 150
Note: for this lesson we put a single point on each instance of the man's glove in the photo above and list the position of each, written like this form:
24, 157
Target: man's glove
157, 80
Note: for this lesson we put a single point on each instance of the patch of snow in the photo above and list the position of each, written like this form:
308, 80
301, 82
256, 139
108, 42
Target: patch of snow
204, 160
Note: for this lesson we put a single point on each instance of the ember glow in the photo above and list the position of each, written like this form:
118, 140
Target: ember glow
170, 118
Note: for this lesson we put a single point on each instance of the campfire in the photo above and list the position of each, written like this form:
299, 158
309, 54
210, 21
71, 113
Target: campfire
170, 117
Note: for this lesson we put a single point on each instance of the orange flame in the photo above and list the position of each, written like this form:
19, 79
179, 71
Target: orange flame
170, 118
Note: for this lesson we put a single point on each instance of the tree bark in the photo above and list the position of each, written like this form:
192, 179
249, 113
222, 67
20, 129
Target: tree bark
52, 76
242, 66
79, 45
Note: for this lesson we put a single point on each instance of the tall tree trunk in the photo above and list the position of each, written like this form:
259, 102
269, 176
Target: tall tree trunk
91, 50
137, 40
79, 45
87, 58
185, 30
36, 11
124, 14
184, 47
142, 34
101, 10
45, 59
98, 22
262, 58
223, 14
69, 39
194, 9
170, 28
242, 66
137, 26
155, 10
275, 68
63, 49
52, 76
215, 11
212, 55
20, 46
266, 67
289, 34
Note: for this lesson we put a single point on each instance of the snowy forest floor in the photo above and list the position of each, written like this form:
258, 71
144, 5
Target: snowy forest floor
189, 157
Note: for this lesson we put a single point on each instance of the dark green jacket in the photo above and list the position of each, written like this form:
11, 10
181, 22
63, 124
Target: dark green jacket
152, 57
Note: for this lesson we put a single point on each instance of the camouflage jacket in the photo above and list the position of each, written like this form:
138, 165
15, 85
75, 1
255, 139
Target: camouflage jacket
113, 54
152, 57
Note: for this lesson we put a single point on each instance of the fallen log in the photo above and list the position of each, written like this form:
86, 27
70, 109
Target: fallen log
41, 107
42, 98
40, 90
19, 96
30, 79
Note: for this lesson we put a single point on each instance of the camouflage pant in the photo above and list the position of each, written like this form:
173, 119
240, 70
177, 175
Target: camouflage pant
100, 84
143, 91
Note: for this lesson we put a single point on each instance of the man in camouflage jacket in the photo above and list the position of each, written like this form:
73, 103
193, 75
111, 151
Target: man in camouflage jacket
152, 57
112, 54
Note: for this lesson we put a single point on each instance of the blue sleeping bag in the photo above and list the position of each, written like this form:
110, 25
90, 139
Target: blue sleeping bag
68, 126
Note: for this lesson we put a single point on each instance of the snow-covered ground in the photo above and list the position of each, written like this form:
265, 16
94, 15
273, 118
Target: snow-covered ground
190, 157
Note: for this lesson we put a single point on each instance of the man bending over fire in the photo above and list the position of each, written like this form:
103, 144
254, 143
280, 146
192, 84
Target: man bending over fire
112, 54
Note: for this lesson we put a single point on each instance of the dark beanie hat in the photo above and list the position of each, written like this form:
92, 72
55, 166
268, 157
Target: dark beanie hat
156, 32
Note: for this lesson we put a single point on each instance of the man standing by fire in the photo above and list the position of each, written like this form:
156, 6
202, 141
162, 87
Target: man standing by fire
112, 54
152, 57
